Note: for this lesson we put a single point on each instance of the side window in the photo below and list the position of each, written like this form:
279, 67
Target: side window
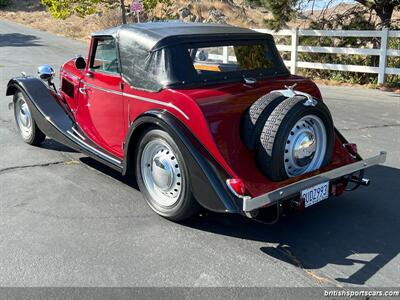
105, 58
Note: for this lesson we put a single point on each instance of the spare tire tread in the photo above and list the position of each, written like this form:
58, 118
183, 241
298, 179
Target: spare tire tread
254, 119
271, 144
267, 137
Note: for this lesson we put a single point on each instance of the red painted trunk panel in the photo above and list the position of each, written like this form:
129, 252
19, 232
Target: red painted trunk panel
223, 106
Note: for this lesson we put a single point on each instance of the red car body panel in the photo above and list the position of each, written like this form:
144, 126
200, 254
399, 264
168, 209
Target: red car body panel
211, 113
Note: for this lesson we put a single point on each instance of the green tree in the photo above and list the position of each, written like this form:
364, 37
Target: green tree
4, 3
285, 10
282, 11
62, 9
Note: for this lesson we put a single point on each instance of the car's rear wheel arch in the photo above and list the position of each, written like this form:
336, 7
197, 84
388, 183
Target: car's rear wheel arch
202, 165
132, 142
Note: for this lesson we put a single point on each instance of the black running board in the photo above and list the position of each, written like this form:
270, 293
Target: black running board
87, 146
55, 122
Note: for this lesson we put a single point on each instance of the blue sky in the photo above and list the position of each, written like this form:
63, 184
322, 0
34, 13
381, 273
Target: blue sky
322, 3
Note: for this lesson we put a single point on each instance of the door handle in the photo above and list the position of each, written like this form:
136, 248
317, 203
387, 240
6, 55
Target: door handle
82, 91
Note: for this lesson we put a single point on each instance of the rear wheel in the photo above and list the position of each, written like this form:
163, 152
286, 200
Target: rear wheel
162, 176
30, 132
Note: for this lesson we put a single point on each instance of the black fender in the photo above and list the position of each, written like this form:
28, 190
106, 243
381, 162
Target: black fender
55, 122
49, 116
208, 177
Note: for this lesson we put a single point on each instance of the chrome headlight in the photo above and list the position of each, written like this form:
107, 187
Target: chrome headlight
46, 73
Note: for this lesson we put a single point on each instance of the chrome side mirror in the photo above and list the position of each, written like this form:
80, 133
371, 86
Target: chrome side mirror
46, 73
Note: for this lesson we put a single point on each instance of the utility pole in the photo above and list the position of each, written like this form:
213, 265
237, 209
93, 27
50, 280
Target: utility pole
123, 11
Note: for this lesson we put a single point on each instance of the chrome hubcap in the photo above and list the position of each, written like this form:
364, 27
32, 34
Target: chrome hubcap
24, 118
306, 146
161, 173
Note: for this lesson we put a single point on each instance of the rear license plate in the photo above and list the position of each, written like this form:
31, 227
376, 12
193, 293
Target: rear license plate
315, 194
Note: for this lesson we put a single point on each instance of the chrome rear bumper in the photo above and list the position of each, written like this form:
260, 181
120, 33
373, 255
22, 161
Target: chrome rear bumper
250, 204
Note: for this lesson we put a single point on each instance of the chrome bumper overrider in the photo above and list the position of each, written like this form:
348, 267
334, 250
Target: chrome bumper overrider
250, 204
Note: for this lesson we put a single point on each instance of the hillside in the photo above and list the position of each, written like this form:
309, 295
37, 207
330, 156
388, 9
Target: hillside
235, 12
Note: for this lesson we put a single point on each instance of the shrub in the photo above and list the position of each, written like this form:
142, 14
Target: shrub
4, 3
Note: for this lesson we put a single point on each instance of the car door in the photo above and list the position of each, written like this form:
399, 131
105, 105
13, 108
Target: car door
101, 108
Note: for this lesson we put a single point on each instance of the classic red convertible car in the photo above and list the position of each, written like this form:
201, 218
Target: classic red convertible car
202, 115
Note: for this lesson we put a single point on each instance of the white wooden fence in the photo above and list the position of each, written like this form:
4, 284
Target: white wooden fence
383, 52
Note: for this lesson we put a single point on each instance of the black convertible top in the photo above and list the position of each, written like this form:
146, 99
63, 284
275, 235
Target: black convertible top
157, 35
156, 55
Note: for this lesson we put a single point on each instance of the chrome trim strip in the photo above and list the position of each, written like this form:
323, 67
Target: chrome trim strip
99, 153
250, 204
159, 103
103, 89
78, 134
140, 98
70, 74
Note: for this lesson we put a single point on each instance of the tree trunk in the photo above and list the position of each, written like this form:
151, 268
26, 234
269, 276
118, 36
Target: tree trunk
123, 11
383, 9
385, 13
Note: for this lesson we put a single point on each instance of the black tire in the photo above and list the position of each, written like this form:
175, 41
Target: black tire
270, 150
35, 136
186, 206
256, 116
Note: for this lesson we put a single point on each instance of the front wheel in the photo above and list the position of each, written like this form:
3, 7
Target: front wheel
162, 176
30, 132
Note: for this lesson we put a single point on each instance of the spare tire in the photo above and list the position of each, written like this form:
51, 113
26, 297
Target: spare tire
296, 139
255, 117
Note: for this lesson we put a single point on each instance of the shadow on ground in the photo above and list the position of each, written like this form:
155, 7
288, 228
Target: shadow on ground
359, 228
18, 40
129, 180
340, 231
25, 6
51, 144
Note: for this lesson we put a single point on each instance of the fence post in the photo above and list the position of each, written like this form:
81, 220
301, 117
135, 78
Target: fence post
225, 55
293, 55
382, 55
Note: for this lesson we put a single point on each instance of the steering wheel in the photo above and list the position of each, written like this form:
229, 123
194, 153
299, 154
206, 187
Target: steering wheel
113, 65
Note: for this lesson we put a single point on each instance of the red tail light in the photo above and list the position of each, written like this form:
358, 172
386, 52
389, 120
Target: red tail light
352, 148
236, 186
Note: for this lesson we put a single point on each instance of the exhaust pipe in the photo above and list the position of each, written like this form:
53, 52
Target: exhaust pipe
361, 181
